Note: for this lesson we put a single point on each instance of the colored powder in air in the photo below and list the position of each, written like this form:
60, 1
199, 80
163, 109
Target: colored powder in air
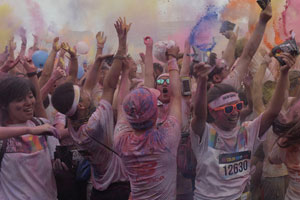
292, 15
8, 25
202, 34
37, 20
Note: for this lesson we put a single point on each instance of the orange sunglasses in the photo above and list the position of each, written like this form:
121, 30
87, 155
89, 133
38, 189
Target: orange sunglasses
229, 109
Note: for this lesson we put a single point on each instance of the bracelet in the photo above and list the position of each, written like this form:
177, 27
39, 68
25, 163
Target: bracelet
119, 57
31, 74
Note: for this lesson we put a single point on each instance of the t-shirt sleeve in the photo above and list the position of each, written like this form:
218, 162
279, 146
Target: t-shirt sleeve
199, 145
99, 126
59, 119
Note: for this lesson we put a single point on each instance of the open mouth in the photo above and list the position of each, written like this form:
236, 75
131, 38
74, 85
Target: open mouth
165, 90
28, 110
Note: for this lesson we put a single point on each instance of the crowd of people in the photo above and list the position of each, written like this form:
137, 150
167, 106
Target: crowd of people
224, 128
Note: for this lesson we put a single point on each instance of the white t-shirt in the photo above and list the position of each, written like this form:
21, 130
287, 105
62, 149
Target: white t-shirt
150, 159
26, 171
106, 167
223, 160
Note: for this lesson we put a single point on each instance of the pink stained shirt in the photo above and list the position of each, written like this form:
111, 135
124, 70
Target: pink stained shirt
26, 168
291, 158
223, 160
107, 167
150, 158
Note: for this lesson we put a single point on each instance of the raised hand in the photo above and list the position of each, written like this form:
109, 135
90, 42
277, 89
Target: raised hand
56, 46
101, 39
67, 48
58, 73
231, 34
172, 52
22, 33
266, 14
289, 60
12, 45
201, 70
28, 65
4, 56
142, 56
122, 27
148, 41
9, 64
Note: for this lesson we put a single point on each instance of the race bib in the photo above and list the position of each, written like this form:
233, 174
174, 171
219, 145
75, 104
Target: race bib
234, 165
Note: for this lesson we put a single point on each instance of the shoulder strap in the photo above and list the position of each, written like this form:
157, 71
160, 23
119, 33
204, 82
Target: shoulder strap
2, 151
37, 121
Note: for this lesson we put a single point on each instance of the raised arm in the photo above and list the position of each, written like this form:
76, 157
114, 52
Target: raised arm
249, 108
73, 63
101, 39
111, 79
149, 79
39, 110
57, 74
49, 64
253, 43
93, 77
228, 55
258, 84
24, 42
124, 87
185, 70
278, 98
11, 48
200, 100
34, 47
175, 97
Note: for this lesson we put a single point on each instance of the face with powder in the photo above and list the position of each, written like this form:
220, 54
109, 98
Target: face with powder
226, 110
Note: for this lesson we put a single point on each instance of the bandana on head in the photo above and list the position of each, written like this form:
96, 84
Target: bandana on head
164, 74
224, 99
140, 107
73, 109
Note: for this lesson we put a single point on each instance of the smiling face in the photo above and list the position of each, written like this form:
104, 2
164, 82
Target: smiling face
22, 109
162, 84
225, 121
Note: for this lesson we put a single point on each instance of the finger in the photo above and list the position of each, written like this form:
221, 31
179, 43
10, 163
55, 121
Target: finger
64, 166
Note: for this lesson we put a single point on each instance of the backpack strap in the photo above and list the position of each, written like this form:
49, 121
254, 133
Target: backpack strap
2, 151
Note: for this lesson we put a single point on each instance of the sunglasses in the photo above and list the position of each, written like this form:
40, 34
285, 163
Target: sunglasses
229, 109
161, 81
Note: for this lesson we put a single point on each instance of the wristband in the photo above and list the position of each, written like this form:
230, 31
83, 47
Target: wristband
172, 65
31, 74
119, 57
100, 46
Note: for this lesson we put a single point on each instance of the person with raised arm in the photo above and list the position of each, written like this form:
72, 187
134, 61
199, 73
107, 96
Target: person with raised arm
25, 159
92, 128
147, 151
222, 147
49, 64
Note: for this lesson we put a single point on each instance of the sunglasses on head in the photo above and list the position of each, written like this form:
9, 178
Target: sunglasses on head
229, 109
161, 81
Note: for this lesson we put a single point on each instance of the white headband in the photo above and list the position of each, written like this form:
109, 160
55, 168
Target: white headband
73, 109
224, 99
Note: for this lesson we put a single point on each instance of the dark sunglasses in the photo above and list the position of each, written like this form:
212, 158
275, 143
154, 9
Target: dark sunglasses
229, 109
161, 81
